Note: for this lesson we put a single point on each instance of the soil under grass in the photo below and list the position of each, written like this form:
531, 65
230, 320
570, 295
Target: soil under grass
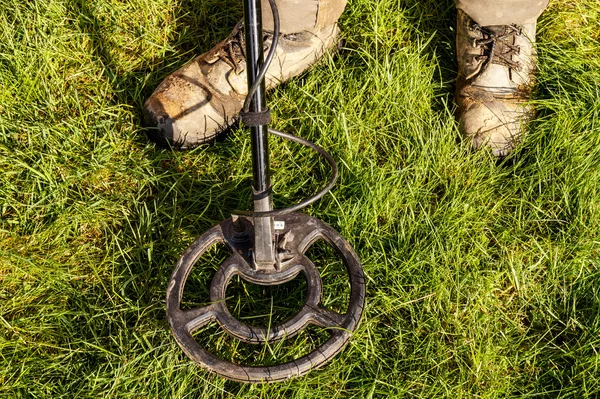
483, 275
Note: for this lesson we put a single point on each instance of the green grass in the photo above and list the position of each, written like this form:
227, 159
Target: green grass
483, 276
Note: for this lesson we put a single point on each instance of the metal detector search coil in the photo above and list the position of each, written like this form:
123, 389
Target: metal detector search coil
268, 248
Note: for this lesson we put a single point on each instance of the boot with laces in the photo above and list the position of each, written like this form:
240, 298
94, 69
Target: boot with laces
204, 97
495, 79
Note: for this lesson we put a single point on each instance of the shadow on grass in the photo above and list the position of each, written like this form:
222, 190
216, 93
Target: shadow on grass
199, 25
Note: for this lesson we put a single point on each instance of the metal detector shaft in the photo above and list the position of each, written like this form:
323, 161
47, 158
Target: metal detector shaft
264, 252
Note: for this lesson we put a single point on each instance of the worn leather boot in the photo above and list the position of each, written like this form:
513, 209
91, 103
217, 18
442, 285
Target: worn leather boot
197, 102
495, 78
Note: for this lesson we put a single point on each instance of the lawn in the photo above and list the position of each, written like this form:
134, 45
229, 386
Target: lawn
483, 275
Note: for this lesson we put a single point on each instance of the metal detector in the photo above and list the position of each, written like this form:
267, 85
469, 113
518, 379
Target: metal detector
268, 248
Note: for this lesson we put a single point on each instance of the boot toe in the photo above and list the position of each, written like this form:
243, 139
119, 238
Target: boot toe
171, 129
159, 123
499, 126
180, 113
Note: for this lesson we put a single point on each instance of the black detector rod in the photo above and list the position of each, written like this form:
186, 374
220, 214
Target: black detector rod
254, 61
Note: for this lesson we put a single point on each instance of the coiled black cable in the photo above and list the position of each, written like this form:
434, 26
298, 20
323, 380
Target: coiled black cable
259, 77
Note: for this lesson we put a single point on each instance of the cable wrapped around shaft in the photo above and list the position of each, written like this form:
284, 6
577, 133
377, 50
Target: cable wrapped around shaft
256, 119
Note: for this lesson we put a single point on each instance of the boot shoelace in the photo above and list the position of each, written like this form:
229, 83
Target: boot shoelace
235, 48
497, 44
